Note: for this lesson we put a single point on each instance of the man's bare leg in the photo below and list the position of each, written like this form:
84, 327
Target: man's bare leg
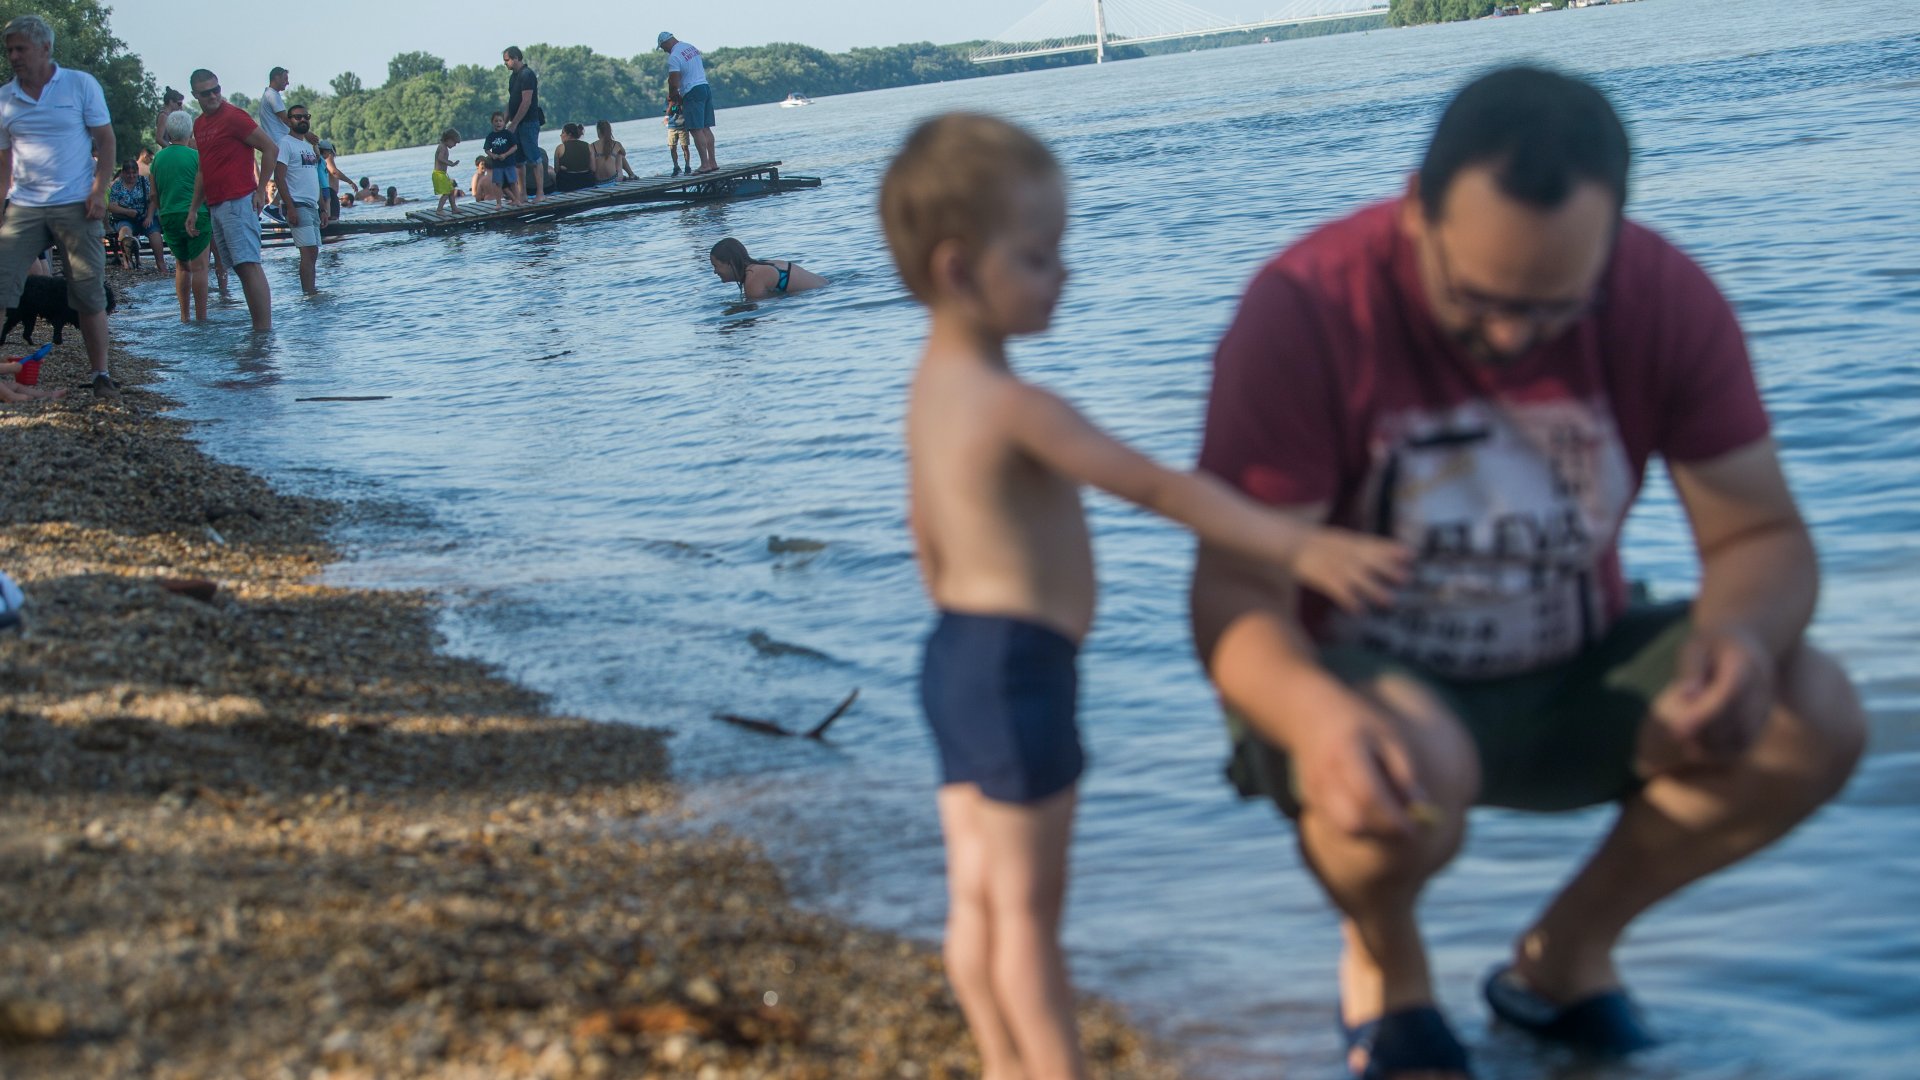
253, 285
309, 259
969, 944
1684, 826
1376, 883
703, 141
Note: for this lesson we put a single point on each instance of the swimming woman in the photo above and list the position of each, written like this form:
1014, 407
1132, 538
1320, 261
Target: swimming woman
759, 279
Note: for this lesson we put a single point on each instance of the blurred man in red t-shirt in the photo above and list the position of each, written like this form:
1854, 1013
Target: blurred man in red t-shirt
1481, 369
233, 187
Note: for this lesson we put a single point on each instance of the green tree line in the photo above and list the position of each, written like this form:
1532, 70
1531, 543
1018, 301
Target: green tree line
1415, 12
422, 95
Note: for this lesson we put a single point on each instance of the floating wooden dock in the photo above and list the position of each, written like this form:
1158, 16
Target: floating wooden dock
739, 182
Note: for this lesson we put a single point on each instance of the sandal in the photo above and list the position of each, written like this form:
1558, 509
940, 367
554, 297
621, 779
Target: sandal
1607, 1024
1416, 1039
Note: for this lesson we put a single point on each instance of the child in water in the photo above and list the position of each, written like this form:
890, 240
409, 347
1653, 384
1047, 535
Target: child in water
679, 140
443, 185
973, 210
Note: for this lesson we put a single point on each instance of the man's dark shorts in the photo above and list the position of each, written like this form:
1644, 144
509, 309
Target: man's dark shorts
1556, 739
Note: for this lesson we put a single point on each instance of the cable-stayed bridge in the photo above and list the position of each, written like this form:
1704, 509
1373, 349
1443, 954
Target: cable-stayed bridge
1068, 26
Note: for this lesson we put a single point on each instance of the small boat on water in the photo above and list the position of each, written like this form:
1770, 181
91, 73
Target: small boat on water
794, 101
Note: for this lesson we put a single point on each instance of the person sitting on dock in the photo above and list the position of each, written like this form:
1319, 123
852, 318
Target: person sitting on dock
609, 157
1483, 368
687, 86
757, 278
446, 194
503, 152
573, 161
482, 185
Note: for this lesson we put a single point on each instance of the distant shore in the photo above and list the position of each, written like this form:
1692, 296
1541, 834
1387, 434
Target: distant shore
276, 832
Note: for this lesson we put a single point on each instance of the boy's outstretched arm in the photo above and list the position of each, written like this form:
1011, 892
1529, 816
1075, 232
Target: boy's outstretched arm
1350, 569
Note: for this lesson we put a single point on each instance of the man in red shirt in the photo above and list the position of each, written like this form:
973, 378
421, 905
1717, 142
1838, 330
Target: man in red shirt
1481, 369
233, 188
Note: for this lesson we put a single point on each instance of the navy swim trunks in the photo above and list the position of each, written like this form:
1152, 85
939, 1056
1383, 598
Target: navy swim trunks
1000, 694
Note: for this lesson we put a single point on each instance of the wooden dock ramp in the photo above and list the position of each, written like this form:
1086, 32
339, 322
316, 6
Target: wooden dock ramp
738, 182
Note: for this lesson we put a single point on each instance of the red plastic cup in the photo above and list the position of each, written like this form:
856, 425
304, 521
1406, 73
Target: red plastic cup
29, 373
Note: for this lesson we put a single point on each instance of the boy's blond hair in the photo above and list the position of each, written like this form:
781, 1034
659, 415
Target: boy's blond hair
952, 180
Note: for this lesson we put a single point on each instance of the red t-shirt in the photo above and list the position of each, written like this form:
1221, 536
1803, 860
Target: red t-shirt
1334, 385
227, 163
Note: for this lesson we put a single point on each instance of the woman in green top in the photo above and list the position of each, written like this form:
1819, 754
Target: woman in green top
174, 169
573, 162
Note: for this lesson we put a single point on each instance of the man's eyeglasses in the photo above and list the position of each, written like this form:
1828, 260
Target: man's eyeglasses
211, 91
1480, 307
298, 116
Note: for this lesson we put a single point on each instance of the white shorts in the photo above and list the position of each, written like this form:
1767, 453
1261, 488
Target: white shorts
307, 233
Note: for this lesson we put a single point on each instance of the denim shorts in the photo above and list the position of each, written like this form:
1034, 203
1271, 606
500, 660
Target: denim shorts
505, 175
697, 106
236, 231
528, 133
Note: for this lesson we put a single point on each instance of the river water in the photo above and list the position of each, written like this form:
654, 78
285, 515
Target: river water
589, 447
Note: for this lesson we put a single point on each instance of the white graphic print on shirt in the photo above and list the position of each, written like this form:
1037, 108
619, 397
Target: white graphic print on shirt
1513, 511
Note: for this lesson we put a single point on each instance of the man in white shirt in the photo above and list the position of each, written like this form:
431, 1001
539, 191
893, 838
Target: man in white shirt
297, 177
687, 85
56, 161
273, 105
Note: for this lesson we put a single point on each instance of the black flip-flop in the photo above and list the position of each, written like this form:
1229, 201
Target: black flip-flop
1416, 1039
1608, 1024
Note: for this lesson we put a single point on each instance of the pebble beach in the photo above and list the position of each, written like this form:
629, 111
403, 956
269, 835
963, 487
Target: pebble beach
251, 825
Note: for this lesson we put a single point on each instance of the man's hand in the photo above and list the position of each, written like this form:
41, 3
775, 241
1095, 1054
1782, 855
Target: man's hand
1718, 701
193, 224
1355, 770
293, 214
96, 206
259, 199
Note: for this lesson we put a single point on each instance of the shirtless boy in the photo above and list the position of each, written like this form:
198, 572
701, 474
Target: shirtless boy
446, 192
974, 209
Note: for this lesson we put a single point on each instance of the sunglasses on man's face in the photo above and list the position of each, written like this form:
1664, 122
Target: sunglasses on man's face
297, 116
211, 91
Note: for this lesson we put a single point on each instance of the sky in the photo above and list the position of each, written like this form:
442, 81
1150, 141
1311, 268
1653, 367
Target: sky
239, 40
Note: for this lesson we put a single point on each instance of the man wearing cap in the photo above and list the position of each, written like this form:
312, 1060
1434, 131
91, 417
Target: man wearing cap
56, 162
687, 86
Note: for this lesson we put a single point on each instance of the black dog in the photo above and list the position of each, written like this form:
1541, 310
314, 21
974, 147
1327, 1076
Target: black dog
44, 297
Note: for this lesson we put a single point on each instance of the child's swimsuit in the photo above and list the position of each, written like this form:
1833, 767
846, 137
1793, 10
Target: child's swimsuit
781, 285
1000, 694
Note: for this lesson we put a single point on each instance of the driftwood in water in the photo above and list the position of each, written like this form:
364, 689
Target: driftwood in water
769, 727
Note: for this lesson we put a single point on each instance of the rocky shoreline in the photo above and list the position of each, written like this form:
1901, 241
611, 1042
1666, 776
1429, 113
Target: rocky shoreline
271, 831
